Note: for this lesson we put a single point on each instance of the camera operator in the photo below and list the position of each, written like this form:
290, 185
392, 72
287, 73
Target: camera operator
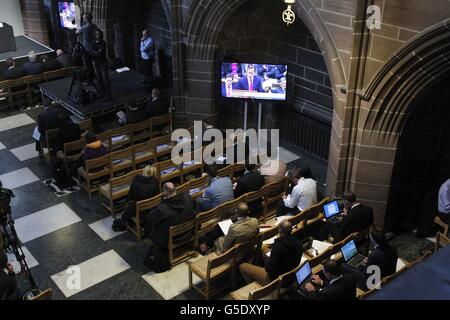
8, 283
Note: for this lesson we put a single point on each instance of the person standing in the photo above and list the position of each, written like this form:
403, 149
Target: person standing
100, 60
147, 54
87, 33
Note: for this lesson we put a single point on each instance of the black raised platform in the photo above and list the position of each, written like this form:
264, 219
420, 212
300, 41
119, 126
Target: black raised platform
126, 90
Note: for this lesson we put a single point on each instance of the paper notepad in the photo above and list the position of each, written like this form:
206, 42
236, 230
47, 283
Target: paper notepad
320, 246
225, 226
118, 138
194, 191
162, 147
36, 134
270, 241
168, 171
281, 219
125, 69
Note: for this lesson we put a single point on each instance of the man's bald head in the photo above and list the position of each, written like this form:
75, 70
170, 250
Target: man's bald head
285, 228
169, 190
242, 210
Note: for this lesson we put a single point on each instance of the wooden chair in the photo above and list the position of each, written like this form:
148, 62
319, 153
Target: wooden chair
209, 269
226, 172
191, 167
315, 213
441, 241
229, 207
206, 222
143, 207
118, 138
85, 126
44, 295
15, 90
94, 170
184, 188
121, 162
33, 92
315, 261
288, 281
144, 154
71, 154
197, 186
140, 132
169, 171
160, 124
254, 291
246, 251
163, 146
274, 193
442, 224
257, 198
117, 189
51, 142
266, 235
181, 242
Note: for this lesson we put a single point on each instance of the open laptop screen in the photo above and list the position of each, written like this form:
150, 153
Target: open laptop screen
303, 273
331, 209
349, 250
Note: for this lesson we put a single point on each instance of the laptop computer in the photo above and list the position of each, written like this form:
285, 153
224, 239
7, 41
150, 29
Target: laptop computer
351, 255
332, 212
303, 276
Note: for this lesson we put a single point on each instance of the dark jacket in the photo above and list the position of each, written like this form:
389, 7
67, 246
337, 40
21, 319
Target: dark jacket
385, 258
143, 188
157, 108
358, 219
342, 289
94, 150
98, 52
33, 68
8, 286
285, 256
14, 73
65, 60
249, 182
68, 132
170, 212
51, 64
47, 120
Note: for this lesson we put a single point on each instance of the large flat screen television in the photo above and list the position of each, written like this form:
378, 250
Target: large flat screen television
67, 14
254, 81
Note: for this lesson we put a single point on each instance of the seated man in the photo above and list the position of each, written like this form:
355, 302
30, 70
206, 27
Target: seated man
158, 106
8, 283
444, 202
174, 209
251, 181
219, 191
383, 256
356, 218
250, 82
337, 286
32, 67
13, 72
304, 193
64, 59
242, 230
50, 64
285, 256
47, 120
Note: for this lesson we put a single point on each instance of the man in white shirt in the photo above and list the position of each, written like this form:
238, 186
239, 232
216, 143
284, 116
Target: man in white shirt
303, 195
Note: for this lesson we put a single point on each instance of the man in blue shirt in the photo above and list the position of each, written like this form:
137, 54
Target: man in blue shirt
219, 191
87, 33
147, 53
444, 202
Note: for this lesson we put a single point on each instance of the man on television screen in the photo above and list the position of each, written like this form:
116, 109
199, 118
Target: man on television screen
227, 87
251, 82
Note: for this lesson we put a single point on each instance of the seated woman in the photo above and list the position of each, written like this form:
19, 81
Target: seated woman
94, 148
143, 186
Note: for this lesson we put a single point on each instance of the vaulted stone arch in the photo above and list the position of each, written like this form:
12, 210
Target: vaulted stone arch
412, 70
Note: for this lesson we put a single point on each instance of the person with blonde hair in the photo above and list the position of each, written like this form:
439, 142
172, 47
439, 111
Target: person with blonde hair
144, 186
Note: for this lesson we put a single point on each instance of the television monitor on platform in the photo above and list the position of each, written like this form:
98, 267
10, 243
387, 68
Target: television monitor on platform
67, 14
254, 81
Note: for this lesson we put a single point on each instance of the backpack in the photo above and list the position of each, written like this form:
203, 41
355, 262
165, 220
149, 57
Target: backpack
156, 260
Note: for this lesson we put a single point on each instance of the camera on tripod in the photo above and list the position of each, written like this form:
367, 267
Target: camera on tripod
9, 235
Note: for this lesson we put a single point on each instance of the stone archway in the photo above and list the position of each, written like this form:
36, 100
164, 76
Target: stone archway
202, 27
408, 74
